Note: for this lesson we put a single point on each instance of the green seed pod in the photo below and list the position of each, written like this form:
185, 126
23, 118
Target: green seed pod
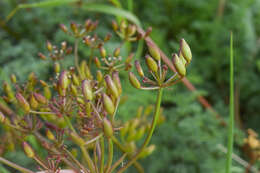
131, 30
108, 104
103, 52
107, 127
40, 98
182, 59
75, 80
99, 76
87, 90
131, 135
114, 25
63, 80
134, 123
8, 91
2, 117
147, 151
117, 52
74, 90
152, 65
80, 100
154, 52
97, 62
125, 129
139, 68
50, 135
111, 86
74, 27
123, 26
116, 79
134, 81
22, 102
185, 50
77, 139
28, 150
56, 67
140, 133
180, 67
47, 92
13, 78
49, 46
33, 102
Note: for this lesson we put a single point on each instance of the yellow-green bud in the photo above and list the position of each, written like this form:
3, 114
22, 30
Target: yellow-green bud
49, 46
28, 150
131, 30
50, 135
124, 129
63, 28
40, 98
134, 81
56, 67
185, 50
182, 59
77, 139
47, 92
180, 67
108, 129
87, 90
147, 151
33, 102
74, 27
13, 78
116, 79
123, 26
102, 52
111, 86
97, 62
75, 80
108, 104
114, 25
2, 117
99, 76
139, 68
140, 133
154, 52
63, 80
22, 102
74, 90
152, 65
117, 52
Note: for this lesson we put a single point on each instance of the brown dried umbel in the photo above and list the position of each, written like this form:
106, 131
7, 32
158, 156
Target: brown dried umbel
80, 104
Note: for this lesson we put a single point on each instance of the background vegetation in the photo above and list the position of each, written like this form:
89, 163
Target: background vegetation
187, 142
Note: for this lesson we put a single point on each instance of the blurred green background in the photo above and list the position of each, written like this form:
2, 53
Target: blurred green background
187, 142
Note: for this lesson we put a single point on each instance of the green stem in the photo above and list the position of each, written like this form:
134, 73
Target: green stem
69, 124
15, 166
88, 159
231, 110
102, 145
76, 57
110, 154
148, 138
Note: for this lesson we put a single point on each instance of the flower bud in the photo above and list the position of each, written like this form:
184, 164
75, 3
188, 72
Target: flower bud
63, 80
43, 57
114, 25
40, 98
22, 102
49, 46
13, 78
139, 68
117, 52
8, 90
75, 80
185, 50
47, 92
97, 62
57, 67
77, 139
124, 129
107, 37
28, 150
134, 81
182, 59
102, 51
131, 30
154, 52
140, 133
152, 65
108, 129
108, 104
147, 151
33, 102
74, 27
63, 28
87, 90
180, 67
50, 135
116, 79
99, 76
111, 86
2, 117
129, 58
74, 90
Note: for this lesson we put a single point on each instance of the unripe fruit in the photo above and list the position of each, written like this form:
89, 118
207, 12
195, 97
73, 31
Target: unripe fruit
152, 65
111, 86
108, 104
87, 90
28, 150
107, 127
180, 67
134, 81
22, 102
185, 50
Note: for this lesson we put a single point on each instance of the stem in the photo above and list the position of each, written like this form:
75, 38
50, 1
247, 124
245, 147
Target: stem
120, 160
88, 159
102, 154
231, 110
148, 138
69, 124
15, 166
110, 154
76, 57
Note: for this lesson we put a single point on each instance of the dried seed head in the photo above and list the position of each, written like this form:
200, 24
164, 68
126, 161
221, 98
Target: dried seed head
22, 102
87, 90
13, 78
2, 117
107, 127
63, 28
108, 104
139, 68
154, 52
152, 65
185, 50
114, 25
49, 46
28, 150
63, 80
116, 79
134, 81
97, 62
111, 86
40, 98
180, 67
102, 52
117, 52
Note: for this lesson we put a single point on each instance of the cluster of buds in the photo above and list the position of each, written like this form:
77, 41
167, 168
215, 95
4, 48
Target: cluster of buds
159, 71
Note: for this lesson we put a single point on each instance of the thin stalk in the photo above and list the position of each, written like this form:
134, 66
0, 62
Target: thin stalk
69, 124
102, 154
148, 138
95, 157
15, 166
115, 165
231, 110
110, 154
88, 159
76, 56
